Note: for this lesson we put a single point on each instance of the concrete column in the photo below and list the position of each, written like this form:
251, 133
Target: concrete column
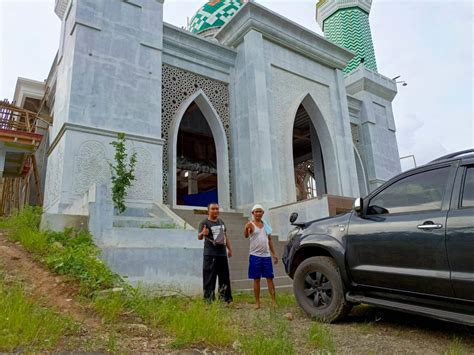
108, 81
260, 157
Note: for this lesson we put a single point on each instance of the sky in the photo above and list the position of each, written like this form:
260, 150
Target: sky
430, 43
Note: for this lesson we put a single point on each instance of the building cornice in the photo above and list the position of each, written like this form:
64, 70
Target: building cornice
100, 132
254, 17
177, 41
363, 79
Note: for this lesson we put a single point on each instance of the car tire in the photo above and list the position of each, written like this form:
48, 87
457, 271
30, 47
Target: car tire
319, 290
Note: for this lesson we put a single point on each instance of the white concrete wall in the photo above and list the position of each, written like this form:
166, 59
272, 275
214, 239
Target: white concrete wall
270, 82
378, 141
108, 81
308, 210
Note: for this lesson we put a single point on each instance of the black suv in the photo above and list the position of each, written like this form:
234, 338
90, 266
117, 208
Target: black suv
409, 245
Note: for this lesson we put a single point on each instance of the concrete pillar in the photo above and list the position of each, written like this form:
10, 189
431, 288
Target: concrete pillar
253, 141
108, 81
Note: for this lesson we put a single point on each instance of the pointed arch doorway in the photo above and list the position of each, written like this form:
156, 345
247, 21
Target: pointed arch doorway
198, 156
310, 175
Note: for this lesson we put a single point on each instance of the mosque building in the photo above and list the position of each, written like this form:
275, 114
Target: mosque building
241, 107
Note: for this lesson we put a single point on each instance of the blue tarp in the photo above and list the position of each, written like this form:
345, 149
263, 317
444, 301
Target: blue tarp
200, 200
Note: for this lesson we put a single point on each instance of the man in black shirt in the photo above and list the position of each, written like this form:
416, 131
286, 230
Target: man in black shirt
217, 248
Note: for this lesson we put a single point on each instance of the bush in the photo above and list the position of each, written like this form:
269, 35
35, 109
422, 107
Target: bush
70, 253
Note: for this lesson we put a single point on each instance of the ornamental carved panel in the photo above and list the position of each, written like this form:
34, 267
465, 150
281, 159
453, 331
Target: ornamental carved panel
90, 167
179, 85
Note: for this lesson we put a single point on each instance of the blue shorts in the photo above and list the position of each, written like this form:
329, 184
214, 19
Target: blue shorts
260, 267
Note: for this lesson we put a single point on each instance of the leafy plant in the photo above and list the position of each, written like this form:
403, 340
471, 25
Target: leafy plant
123, 174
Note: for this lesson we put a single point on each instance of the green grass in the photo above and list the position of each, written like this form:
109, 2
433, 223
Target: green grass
25, 325
456, 347
284, 299
70, 253
269, 335
110, 306
320, 337
191, 321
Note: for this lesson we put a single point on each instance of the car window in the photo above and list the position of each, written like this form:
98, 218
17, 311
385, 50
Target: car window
468, 192
419, 192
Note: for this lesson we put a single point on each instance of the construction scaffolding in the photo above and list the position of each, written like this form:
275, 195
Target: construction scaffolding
20, 138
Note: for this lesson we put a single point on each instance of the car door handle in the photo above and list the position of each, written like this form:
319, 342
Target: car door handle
430, 226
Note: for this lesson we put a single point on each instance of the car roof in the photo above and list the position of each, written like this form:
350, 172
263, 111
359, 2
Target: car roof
463, 154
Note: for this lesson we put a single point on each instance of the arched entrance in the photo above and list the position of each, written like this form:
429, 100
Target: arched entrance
310, 176
196, 165
198, 156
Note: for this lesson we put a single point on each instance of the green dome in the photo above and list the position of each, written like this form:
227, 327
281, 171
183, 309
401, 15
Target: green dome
214, 14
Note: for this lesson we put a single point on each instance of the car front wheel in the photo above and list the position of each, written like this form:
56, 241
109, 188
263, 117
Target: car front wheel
318, 288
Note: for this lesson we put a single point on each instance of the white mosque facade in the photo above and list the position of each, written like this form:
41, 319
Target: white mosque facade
242, 107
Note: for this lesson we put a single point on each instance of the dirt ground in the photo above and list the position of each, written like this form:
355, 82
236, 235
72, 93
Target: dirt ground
367, 330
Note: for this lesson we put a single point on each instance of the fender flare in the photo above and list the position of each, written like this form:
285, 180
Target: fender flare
332, 247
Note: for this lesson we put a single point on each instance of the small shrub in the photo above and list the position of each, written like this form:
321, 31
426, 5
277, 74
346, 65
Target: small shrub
123, 173
76, 255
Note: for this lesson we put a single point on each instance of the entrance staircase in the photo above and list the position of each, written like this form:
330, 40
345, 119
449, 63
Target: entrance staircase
235, 223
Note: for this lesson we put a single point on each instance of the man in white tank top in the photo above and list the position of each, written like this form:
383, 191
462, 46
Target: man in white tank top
262, 254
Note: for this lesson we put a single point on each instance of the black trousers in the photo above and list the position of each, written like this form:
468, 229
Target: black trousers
216, 267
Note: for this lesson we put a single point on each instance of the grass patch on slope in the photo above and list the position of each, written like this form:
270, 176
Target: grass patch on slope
25, 324
70, 253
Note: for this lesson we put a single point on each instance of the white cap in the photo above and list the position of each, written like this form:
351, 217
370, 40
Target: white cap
258, 207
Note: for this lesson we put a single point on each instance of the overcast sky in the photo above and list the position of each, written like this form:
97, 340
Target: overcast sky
429, 43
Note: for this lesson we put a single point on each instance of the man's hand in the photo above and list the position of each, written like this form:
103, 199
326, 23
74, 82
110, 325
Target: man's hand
275, 259
229, 253
204, 232
249, 228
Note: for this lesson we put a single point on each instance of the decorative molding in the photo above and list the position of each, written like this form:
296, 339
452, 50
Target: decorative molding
182, 44
100, 132
297, 38
363, 79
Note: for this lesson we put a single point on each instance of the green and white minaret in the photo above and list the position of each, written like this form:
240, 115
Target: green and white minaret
346, 23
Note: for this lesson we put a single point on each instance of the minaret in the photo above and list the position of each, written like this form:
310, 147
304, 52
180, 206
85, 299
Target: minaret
346, 23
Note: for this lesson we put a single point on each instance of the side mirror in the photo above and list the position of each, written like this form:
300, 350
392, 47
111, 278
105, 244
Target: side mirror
359, 205
293, 217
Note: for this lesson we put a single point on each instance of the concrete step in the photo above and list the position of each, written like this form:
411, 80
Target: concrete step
142, 222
